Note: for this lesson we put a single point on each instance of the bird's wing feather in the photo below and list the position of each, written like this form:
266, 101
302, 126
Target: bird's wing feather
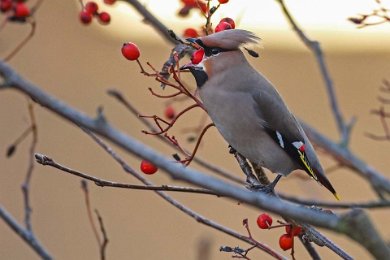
281, 125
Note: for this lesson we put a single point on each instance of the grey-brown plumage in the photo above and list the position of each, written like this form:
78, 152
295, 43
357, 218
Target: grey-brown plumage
248, 111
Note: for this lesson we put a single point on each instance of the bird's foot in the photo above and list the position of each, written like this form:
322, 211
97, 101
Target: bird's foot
231, 149
267, 189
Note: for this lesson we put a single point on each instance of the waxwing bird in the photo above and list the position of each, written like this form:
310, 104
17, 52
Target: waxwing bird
248, 111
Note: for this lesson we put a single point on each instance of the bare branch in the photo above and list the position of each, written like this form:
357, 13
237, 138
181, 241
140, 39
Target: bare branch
30, 169
310, 249
47, 161
217, 170
105, 241
152, 20
84, 187
26, 235
181, 207
344, 156
258, 200
102, 244
314, 46
346, 205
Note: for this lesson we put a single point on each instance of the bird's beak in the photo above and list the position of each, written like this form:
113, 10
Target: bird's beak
192, 42
187, 67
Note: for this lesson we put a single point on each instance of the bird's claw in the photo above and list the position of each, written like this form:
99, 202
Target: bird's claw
268, 189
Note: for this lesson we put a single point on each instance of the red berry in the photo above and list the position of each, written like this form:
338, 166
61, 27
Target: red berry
148, 168
109, 2
91, 7
104, 18
229, 21
286, 242
197, 56
21, 10
202, 6
169, 112
85, 17
222, 27
293, 230
190, 33
189, 2
130, 51
5, 5
185, 11
223, 1
264, 221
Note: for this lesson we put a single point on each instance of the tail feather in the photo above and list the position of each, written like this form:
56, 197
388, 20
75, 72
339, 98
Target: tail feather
326, 183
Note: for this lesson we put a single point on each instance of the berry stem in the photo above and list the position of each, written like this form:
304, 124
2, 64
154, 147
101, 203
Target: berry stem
164, 96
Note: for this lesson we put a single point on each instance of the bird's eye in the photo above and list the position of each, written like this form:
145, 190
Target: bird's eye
215, 51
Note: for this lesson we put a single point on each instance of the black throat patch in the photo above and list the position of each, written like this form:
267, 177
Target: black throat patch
200, 76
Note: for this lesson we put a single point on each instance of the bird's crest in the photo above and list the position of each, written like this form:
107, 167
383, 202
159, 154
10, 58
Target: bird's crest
230, 39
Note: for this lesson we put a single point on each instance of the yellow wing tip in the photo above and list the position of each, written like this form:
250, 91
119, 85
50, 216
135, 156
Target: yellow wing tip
336, 196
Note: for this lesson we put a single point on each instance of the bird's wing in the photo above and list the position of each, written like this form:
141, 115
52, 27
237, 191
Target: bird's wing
282, 127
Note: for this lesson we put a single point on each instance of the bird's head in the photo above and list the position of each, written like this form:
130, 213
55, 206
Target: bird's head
223, 41
221, 49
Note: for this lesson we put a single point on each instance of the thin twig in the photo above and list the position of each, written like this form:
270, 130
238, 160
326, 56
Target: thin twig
217, 170
30, 169
47, 161
314, 46
181, 207
23, 42
103, 245
152, 20
84, 187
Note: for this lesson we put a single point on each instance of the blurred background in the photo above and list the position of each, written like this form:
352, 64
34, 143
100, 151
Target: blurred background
78, 64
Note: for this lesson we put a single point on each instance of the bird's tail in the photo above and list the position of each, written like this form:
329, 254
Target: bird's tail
321, 178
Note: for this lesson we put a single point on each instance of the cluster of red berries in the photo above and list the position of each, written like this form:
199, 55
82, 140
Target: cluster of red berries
189, 5
224, 24
286, 241
91, 9
17, 9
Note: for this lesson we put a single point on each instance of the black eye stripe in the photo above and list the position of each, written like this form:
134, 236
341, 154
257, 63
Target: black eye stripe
210, 51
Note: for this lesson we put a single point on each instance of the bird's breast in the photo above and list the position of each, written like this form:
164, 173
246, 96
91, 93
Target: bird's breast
233, 114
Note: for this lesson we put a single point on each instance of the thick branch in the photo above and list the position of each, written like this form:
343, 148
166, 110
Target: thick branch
180, 206
348, 159
346, 205
378, 181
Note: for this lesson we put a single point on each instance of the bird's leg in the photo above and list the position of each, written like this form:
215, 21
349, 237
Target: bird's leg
270, 188
231, 149
274, 182
251, 179
260, 174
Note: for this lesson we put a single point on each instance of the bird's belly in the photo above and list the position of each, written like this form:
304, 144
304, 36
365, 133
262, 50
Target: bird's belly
247, 136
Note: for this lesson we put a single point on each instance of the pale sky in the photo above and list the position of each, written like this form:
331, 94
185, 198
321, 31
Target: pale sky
323, 19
